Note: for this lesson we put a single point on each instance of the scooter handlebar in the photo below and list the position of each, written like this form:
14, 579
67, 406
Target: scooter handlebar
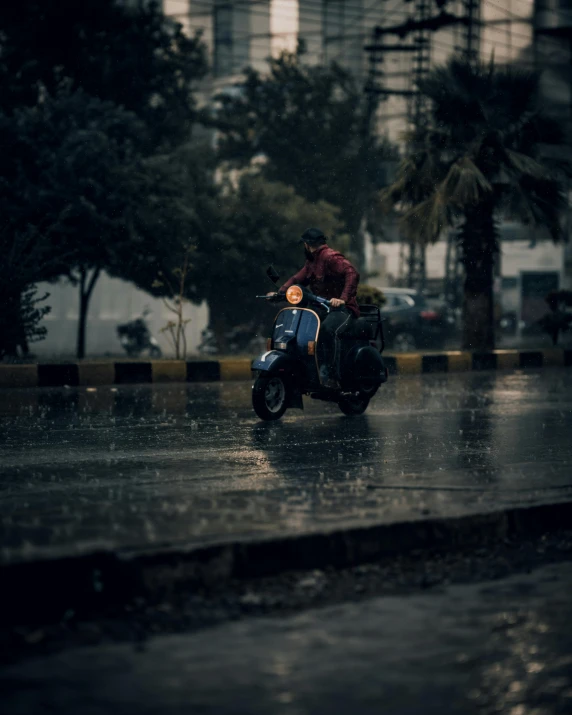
317, 299
279, 297
276, 298
322, 301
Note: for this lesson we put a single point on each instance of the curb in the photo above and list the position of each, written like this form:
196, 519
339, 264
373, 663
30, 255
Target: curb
102, 579
86, 374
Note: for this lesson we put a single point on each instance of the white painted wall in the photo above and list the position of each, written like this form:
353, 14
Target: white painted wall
113, 302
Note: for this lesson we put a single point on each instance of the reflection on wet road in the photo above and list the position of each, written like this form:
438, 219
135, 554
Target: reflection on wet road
86, 468
480, 649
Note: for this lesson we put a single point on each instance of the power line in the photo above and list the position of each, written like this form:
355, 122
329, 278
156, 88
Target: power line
349, 54
365, 11
354, 15
453, 47
389, 13
305, 6
328, 39
342, 53
456, 48
423, 24
316, 8
343, 37
302, 12
502, 9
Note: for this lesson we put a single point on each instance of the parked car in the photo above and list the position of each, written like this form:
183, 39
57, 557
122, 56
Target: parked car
412, 322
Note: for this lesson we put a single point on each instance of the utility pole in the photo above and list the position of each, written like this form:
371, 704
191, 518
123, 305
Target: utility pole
375, 88
472, 14
453, 266
421, 62
421, 25
417, 268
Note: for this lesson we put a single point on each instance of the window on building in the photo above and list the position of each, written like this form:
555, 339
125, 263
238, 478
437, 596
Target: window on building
222, 35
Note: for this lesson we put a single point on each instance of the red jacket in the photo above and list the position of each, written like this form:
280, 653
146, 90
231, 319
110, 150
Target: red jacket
329, 275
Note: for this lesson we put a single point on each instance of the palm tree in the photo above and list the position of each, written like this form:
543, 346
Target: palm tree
478, 158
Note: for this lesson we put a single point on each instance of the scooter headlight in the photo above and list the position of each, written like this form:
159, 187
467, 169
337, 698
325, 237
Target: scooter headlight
294, 295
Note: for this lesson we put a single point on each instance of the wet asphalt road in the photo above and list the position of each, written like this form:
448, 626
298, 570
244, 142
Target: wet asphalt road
480, 649
141, 466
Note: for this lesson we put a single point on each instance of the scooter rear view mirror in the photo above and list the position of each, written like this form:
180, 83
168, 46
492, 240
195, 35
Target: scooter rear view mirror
272, 274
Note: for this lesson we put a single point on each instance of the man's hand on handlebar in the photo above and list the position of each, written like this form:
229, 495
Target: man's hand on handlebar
337, 302
274, 297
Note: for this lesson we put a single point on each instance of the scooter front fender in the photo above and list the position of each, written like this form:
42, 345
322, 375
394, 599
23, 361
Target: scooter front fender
275, 362
282, 365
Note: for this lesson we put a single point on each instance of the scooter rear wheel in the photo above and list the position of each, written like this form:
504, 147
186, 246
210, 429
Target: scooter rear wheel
269, 398
354, 405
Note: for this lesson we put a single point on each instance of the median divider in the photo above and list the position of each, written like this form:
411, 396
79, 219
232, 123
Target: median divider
93, 374
168, 371
18, 376
96, 373
239, 369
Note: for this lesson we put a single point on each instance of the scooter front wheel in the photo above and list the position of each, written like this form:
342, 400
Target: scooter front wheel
269, 398
354, 405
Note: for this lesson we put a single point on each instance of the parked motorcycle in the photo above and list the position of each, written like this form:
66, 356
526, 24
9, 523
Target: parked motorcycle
136, 339
208, 344
290, 367
239, 339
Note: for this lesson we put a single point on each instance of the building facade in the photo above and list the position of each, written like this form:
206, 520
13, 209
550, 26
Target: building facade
535, 34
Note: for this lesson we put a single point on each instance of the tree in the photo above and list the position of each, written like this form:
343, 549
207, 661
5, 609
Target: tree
311, 125
20, 319
75, 181
479, 158
94, 97
175, 302
17, 335
253, 223
126, 53
26, 258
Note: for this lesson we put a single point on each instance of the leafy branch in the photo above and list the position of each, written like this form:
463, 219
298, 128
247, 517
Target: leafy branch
175, 329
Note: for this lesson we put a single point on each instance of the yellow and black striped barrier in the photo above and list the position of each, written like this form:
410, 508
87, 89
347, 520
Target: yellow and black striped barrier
88, 374
91, 374
461, 361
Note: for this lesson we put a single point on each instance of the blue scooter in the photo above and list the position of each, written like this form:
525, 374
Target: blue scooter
290, 366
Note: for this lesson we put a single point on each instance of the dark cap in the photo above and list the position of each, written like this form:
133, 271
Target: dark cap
312, 235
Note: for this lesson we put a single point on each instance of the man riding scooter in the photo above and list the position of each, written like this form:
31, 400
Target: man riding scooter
329, 275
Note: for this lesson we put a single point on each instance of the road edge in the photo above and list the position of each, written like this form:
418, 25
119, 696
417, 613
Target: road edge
45, 590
